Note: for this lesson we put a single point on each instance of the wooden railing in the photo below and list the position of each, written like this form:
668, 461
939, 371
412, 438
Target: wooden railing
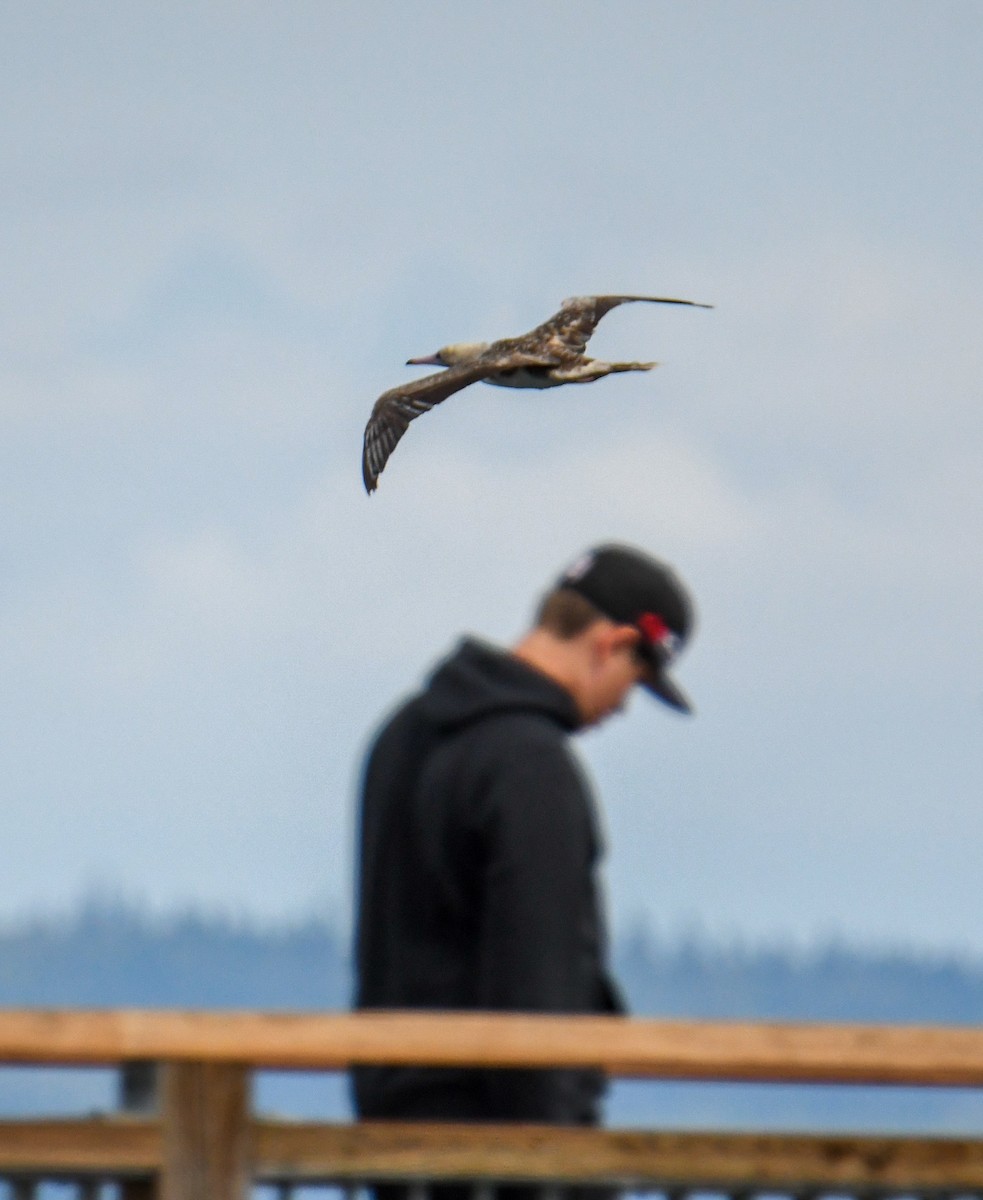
204, 1143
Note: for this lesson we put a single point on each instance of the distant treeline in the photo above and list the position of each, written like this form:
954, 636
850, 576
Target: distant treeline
702, 978
113, 954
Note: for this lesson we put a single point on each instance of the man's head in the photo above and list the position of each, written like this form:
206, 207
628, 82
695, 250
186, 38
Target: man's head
615, 618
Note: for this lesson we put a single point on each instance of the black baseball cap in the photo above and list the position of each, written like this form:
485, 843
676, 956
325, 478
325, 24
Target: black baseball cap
632, 588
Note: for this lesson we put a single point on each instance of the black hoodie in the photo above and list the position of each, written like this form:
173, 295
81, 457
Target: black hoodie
478, 850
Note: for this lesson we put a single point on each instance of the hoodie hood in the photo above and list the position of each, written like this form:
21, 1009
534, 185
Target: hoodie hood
478, 680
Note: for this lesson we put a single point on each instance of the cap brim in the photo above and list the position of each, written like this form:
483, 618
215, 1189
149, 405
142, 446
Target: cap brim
668, 691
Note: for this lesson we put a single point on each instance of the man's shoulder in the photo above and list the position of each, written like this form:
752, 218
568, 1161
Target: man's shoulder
518, 727
514, 744
518, 769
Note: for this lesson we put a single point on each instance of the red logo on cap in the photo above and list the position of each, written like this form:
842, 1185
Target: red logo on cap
653, 627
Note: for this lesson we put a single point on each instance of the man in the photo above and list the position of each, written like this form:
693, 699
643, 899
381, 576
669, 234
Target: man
478, 841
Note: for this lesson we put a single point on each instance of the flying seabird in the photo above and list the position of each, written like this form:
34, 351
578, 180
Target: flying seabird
550, 355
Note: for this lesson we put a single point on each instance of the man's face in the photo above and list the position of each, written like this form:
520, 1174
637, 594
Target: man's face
617, 669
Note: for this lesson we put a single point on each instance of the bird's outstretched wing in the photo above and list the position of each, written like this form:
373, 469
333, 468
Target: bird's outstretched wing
394, 410
568, 331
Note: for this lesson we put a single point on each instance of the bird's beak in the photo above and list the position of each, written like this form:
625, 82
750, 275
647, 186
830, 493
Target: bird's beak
432, 360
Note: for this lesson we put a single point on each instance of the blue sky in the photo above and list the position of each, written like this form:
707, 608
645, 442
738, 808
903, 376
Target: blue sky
224, 229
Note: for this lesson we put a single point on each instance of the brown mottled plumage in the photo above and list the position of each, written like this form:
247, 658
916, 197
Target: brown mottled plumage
550, 355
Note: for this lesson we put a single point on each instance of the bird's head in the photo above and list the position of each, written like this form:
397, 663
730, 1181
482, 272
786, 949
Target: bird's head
450, 356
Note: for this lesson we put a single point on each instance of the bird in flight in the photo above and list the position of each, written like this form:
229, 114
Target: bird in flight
550, 355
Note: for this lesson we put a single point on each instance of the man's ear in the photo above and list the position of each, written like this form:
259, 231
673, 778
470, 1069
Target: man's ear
611, 638
624, 636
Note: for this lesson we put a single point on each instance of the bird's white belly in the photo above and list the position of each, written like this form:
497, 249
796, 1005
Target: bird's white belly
522, 377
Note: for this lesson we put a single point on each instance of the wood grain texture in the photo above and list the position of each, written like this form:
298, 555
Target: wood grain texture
801, 1053
117, 1145
278, 1150
207, 1132
728, 1161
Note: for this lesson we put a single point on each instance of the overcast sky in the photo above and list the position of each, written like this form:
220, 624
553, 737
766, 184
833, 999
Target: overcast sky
223, 229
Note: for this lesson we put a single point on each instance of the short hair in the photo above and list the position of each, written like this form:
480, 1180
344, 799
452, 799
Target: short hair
566, 613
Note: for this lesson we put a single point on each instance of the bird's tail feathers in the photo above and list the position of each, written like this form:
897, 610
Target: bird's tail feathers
586, 370
632, 366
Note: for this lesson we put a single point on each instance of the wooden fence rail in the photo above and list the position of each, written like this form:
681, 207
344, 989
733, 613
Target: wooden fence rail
204, 1143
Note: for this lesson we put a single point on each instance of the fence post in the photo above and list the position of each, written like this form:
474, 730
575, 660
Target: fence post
205, 1110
